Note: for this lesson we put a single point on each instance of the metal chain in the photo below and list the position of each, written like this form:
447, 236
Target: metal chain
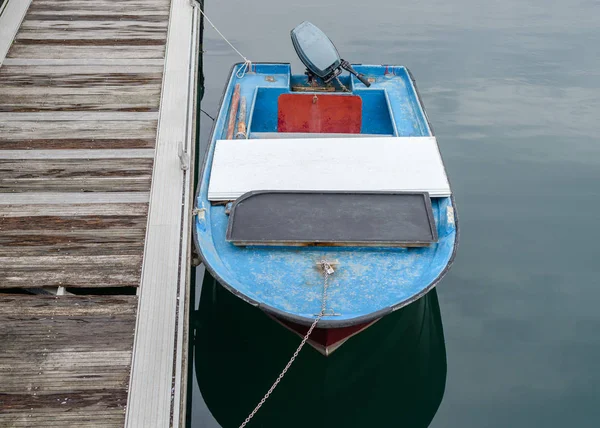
327, 272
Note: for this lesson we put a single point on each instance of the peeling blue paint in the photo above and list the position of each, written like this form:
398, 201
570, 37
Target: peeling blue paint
368, 281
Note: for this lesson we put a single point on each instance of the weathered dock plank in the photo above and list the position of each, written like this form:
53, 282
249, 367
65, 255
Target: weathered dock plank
58, 198
20, 50
75, 175
121, 62
116, 88
84, 99
70, 271
76, 134
114, 24
75, 226
68, 116
78, 154
70, 235
65, 361
101, 77
73, 210
137, 32
78, 102
94, 42
81, 16
123, 7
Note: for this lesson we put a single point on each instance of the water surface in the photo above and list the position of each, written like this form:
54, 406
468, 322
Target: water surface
512, 89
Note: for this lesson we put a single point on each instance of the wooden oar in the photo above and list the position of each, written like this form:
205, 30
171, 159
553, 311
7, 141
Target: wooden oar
235, 100
241, 127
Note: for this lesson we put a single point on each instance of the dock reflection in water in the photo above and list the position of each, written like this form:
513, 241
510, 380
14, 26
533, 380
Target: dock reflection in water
392, 374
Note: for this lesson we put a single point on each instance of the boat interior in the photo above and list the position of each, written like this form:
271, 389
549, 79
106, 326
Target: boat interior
282, 105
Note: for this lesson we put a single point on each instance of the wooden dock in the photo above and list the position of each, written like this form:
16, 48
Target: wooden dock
97, 147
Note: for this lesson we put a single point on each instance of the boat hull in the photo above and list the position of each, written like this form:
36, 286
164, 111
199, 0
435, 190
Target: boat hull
285, 282
325, 340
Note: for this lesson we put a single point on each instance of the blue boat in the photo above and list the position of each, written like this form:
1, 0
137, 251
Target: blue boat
285, 211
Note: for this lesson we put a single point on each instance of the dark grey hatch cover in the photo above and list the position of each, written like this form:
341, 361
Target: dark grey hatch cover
332, 218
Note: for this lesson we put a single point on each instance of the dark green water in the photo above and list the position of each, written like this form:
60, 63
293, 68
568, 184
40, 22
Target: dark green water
512, 89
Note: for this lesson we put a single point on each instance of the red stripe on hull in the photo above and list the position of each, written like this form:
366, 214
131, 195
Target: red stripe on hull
324, 340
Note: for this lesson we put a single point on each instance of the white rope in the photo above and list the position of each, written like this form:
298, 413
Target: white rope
247, 63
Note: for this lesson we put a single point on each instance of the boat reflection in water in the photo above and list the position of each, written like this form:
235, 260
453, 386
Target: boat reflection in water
392, 374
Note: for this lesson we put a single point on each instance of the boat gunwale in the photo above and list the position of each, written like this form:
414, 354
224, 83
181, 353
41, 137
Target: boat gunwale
323, 323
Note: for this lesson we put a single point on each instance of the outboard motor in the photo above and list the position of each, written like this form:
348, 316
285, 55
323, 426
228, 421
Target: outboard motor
319, 55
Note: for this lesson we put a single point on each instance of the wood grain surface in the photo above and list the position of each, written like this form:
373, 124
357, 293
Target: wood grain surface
65, 361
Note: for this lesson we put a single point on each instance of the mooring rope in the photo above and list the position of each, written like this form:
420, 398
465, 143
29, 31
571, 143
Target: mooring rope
247, 63
212, 118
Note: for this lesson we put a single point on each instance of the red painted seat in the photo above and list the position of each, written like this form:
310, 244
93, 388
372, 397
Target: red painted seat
320, 113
